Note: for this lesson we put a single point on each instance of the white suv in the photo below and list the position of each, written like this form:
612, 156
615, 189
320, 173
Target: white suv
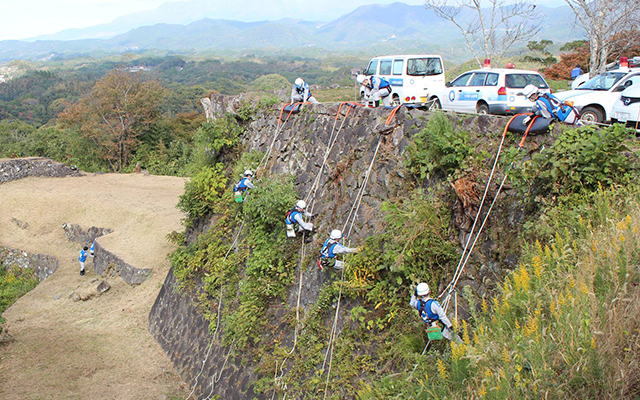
489, 91
627, 108
594, 99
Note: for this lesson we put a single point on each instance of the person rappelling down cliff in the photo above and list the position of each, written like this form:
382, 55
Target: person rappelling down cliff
431, 312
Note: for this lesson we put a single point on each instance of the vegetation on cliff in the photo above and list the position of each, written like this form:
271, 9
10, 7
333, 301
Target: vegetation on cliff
553, 328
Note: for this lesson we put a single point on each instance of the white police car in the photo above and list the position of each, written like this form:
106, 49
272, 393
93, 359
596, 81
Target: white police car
489, 91
594, 99
626, 109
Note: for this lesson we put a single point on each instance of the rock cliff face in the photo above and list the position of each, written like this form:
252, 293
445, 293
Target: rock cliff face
299, 150
42, 264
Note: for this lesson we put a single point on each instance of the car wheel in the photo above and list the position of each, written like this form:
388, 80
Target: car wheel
483, 109
434, 104
591, 115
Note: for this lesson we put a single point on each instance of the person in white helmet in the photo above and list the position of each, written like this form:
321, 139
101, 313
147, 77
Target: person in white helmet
430, 310
550, 107
375, 89
301, 94
331, 248
241, 187
295, 216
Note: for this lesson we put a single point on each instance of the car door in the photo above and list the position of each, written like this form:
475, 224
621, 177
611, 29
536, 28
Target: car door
473, 91
452, 96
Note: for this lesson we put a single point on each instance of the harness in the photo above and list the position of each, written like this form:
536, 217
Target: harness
291, 214
327, 256
240, 186
426, 314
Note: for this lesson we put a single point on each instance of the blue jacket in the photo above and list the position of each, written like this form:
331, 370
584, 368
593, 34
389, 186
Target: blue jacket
93, 247
83, 256
379, 82
327, 249
241, 186
425, 311
291, 214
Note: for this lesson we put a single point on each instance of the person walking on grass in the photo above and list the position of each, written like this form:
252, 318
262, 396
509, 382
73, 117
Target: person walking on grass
82, 258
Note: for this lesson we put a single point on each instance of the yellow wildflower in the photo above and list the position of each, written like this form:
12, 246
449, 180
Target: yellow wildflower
482, 391
505, 358
442, 369
465, 333
583, 288
485, 306
593, 342
531, 327
457, 350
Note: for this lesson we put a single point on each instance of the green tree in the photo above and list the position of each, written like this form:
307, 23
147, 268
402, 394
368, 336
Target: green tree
120, 107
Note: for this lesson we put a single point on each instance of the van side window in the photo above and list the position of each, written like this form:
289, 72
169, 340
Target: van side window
478, 79
385, 67
424, 66
397, 67
492, 80
461, 80
371, 69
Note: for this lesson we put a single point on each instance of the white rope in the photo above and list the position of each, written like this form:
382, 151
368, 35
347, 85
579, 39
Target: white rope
334, 327
213, 337
475, 220
273, 142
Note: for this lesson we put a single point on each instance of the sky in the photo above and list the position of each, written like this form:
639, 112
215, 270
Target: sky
22, 19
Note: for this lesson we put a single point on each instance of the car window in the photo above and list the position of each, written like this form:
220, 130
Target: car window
371, 69
424, 66
492, 80
632, 80
385, 67
519, 81
397, 67
603, 81
462, 80
478, 79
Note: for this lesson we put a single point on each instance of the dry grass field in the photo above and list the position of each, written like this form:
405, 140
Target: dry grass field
100, 348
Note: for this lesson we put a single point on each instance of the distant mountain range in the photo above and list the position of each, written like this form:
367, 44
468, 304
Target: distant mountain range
396, 27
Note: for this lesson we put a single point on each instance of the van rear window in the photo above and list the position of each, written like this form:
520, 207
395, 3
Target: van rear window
424, 66
519, 81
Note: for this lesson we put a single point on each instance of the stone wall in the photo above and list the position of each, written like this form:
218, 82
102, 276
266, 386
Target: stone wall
183, 333
104, 262
18, 168
42, 264
299, 150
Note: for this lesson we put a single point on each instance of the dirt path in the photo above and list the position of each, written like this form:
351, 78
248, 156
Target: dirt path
100, 348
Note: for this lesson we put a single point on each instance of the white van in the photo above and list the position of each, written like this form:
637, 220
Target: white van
412, 77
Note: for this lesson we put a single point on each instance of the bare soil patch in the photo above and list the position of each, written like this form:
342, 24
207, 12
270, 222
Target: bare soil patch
100, 348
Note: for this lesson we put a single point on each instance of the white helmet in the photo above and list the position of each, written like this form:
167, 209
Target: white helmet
299, 82
336, 234
248, 173
529, 91
361, 78
301, 204
422, 289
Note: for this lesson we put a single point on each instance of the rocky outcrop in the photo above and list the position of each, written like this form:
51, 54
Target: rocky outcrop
42, 264
18, 168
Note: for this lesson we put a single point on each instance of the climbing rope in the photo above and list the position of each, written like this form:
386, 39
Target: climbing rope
351, 216
215, 333
303, 246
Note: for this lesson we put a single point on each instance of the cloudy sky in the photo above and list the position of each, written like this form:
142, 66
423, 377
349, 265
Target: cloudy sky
21, 19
